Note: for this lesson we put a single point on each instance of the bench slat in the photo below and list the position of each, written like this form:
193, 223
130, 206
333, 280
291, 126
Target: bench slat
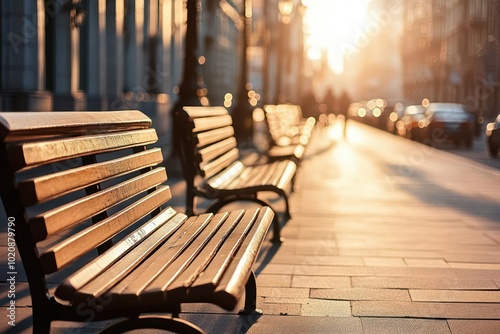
57, 184
209, 123
226, 177
287, 175
213, 136
232, 284
215, 150
33, 125
196, 112
79, 210
32, 154
229, 232
128, 290
127, 263
217, 165
164, 223
156, 291
84, 241
204, 281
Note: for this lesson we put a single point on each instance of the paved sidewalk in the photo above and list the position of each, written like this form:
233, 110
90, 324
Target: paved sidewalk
387, 236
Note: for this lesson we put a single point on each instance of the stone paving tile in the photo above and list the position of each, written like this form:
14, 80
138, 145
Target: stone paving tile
324, 259
274, 280
315, 270
280, 307
423, 283
361, 294
384, 262
483, 266
300, 281
497, 282
477, 273
283, 292
316, 307
484, 257
411, 254
425, 310
400, 326
304, 324
415, 272
426, 263
326, 308
272, 268
455, 296
474, 326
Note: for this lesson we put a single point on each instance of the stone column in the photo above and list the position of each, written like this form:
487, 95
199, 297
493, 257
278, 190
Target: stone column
64, 53
95, 55
115, 12
134, 41
22, 59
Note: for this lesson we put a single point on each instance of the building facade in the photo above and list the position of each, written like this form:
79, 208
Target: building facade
129, 54
449, 53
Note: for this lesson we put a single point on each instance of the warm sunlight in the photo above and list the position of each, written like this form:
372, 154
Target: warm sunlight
331, 25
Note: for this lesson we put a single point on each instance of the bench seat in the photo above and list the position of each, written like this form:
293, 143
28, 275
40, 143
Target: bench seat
90, 202
213, 169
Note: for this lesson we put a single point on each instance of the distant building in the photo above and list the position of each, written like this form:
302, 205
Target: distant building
449, 52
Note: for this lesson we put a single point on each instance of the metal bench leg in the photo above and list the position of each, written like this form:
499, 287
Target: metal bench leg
250, 297
288, 216
277, 239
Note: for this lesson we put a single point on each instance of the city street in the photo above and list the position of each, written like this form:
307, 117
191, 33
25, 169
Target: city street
478, 153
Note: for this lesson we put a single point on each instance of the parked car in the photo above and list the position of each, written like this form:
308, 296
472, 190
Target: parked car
493, 136
407, 126
393, 112
447, 121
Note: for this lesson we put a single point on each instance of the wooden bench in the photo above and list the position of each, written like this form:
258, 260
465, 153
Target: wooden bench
287, 130
213, 169
74, 182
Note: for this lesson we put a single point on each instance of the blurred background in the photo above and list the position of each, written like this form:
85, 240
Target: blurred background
158, 55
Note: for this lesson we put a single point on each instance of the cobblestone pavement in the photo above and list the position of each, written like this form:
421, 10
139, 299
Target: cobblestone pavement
387, 236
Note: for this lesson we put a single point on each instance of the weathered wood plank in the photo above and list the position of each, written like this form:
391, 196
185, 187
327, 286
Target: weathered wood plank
164, 223
209, 137
32, 154
215, 150
219, 164
84, 208
54, 185
16, 126
82, 242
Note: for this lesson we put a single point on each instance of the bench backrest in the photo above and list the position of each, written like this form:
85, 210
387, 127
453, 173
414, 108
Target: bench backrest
72, 181
282, 119
208, 146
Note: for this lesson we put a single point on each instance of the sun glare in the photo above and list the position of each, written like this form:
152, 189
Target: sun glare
330, 25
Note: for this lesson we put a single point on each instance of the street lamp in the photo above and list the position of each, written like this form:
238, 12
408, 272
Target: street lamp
243, 110
285, 8
192, 91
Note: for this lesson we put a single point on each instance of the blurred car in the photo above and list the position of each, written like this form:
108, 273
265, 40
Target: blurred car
493, 136
357, 111
374, 110
407, 125
447, 121
393, 112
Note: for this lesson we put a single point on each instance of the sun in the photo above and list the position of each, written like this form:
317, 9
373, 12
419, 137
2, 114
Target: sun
329, 24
